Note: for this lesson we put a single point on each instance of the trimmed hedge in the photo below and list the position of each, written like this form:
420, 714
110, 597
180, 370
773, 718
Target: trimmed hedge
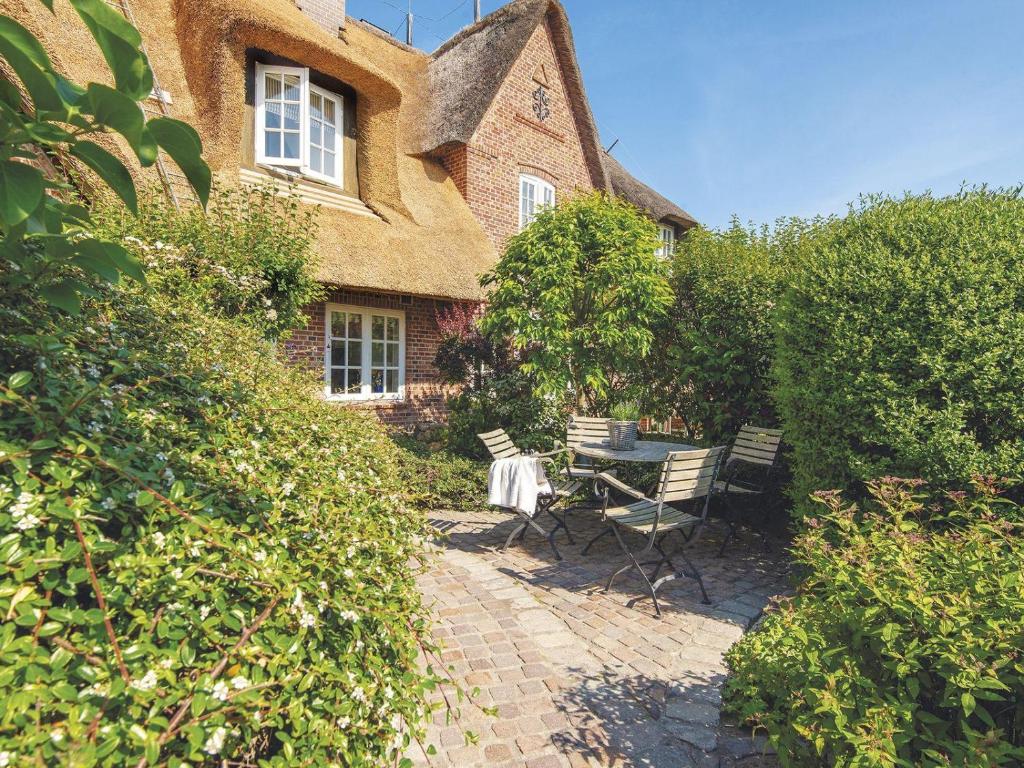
901, 344
903, 647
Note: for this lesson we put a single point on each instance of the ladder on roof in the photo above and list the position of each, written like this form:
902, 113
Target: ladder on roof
175, 184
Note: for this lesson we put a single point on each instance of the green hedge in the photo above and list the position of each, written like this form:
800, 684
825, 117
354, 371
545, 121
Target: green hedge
903, 647
901, 344
441, 479
711, 365
198, 558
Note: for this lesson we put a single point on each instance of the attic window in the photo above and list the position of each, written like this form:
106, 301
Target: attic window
298, 124
534, 195
668, 241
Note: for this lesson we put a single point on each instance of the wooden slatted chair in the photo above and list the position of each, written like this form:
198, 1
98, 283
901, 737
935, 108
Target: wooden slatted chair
748, 472
584, 429
687, 478
500, 446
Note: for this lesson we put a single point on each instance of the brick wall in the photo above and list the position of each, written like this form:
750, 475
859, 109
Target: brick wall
511, 140
329, 14
425, 395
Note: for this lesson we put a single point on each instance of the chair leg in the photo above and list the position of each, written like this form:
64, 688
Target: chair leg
520, 531
693, 573
730, 520
633, 564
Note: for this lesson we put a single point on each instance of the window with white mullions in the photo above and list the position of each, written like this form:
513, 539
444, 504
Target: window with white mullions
534, 195
668, 241
298, 124
365, 354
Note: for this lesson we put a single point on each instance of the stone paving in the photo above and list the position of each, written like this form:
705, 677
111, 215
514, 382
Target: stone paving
579, 677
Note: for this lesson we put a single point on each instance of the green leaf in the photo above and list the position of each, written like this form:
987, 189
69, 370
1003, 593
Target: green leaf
21, 192
30, 62
115, 110
124, 261
91, 257
64, 295
181, 142
19, 379
109, 168
120, 43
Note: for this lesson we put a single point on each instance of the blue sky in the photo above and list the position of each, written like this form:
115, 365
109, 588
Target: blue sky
769, 108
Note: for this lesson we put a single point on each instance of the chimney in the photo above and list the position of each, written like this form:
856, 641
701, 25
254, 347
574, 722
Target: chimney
476, 11
329, 14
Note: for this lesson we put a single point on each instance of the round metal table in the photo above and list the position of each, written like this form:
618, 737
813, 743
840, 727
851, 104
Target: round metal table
643, 451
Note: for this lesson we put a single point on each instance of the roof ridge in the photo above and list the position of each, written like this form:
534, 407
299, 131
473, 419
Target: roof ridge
495, 15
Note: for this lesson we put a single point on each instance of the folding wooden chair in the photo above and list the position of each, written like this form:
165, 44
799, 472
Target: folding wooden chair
500, 446
686, 477
747, 473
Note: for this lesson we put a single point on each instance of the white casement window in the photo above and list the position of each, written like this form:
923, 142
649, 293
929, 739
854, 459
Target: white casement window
668, 241
364, 353
534, 194
298, 125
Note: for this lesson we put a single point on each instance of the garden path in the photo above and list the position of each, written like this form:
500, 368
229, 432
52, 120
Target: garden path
578, 677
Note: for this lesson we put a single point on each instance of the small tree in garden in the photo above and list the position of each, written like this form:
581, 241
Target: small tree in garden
579, 292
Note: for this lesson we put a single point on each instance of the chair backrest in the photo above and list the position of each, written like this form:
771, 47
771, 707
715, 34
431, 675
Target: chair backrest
756, 445
689, 474
499, 444
586, 429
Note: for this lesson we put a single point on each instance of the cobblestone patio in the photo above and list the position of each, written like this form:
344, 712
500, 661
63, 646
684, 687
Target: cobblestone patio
578, 677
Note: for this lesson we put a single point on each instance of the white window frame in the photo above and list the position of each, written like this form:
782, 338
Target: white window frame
543, 197
667, 234
302, 162
366, 364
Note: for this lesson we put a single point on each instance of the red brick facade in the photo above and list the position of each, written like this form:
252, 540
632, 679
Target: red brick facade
512, 140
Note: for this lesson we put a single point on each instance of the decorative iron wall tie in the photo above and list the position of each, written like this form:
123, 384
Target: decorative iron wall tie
541, 105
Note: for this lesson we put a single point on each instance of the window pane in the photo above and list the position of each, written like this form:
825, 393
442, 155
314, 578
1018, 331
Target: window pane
355, 381
329, 111
392, 382
377, 356
314, 159
273, 115
328, 137
338, 353
291, 146
329, 164
338, 323
315, 108
272, 144
272, 85
337, 380
392, 360
377, 382
291, 87
355, 326
378, 327
355, 353
392, 329
291, 117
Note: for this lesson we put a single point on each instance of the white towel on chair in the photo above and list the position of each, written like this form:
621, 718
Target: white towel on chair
516, 483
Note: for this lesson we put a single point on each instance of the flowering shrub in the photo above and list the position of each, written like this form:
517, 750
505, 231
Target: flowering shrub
903, 646
199, 559
441, 479
247, 257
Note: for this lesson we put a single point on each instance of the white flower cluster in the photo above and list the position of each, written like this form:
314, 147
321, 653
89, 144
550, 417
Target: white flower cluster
147, 682
215, 743
24, 519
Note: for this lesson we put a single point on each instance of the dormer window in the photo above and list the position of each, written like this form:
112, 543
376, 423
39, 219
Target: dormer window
534, 195
668, 241
298, 124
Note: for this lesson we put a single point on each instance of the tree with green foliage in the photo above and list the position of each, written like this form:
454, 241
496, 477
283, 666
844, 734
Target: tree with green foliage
901, 344
48, 246
712, 362
578, 292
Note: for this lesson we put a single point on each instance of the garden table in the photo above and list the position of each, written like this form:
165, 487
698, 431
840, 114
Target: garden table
643, 451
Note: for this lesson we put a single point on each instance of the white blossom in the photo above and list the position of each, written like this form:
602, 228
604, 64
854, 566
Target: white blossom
359, 694
287, 488
215, 743
307, 619
239, 682
147, 683
159, 539
108, 503
204, 611
348, 573
177, 573
5, 759
349, 616
221, 690
343, 722
259, 555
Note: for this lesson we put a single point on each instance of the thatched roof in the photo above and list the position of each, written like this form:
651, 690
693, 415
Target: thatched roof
626, 186
468, 70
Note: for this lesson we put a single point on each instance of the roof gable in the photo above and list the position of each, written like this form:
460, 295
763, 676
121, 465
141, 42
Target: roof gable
467, 73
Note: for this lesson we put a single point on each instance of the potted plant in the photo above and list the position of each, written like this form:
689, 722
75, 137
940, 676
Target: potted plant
623, 426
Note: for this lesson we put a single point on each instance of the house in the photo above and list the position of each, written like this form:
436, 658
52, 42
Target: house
423, 164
